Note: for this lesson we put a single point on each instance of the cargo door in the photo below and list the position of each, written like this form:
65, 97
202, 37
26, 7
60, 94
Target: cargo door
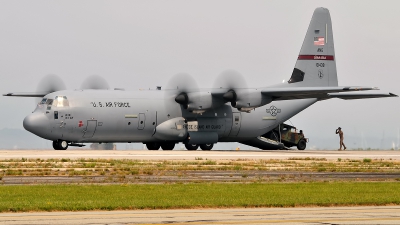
236, 121
90, 128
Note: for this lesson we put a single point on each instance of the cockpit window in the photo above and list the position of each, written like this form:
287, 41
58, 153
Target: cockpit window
43, 101
60, 101
49, 101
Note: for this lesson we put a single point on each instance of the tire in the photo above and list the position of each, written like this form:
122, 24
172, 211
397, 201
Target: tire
206, 147
168, 146
153, 146
55, 145
302, 144
62, 145
191, 147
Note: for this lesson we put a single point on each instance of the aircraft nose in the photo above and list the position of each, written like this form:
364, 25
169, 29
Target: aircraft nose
36, 123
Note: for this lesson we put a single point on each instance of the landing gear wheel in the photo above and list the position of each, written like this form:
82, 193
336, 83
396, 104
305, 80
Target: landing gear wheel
60, 145
302, 144
206, 147
153, 146
191, 147
168, 146
55, 145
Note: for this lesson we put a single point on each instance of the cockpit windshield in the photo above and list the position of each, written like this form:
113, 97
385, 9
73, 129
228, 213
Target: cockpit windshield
60, 101
46, 101
43, 101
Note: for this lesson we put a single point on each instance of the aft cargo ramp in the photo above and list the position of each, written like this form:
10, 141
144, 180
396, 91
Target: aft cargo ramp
264, 144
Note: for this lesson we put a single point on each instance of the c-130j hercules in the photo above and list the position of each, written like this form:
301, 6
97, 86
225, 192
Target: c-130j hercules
195, 117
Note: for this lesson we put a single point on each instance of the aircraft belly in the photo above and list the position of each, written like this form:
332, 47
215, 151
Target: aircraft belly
264, 119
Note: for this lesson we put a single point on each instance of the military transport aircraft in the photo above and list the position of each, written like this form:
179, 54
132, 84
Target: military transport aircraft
184, 113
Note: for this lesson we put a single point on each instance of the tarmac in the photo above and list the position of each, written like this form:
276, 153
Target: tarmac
192, 155
305, 215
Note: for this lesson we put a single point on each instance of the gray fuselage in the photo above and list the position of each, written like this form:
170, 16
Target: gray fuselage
137, 116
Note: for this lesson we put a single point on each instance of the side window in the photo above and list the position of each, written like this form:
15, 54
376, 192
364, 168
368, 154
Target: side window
43, 101
56, 115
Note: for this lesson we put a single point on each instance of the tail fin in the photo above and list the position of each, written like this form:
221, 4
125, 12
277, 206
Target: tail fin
316, 64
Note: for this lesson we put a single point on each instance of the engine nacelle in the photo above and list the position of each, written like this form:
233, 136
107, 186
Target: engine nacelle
198, 102
246, 100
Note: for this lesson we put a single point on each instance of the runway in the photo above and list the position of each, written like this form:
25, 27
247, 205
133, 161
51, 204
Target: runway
192, 155
306, 215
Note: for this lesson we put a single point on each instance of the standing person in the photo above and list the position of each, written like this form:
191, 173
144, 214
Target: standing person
340, 132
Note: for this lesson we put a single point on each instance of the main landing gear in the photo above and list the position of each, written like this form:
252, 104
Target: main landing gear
170, 145
193, 147
164, 145
60, 145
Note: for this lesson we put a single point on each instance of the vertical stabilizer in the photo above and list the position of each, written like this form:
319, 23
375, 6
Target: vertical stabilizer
315, 65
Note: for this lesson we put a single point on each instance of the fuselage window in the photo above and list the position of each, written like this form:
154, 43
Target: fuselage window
49, 103
43, 101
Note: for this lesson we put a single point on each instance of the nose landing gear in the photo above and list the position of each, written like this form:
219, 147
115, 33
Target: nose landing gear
60, 145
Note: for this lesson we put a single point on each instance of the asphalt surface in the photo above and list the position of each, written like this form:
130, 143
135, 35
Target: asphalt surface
306, 215
192, 155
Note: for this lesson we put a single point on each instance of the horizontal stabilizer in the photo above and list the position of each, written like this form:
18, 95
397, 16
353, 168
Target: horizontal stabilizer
350, 96
26, 94
288, 93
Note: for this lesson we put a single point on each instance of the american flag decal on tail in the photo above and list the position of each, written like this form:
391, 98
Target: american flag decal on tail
319, 41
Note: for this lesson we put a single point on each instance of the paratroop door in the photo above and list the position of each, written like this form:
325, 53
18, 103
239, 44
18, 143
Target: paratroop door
90, 128
236, 120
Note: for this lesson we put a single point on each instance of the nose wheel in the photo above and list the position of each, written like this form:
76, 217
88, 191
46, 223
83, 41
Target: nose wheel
60, 145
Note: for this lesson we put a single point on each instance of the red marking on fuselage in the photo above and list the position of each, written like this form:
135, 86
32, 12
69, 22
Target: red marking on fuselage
316, 57
80, 124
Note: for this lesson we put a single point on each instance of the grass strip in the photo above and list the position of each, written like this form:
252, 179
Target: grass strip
113, 197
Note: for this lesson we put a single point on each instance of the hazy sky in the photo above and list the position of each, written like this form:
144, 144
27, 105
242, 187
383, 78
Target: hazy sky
141, 44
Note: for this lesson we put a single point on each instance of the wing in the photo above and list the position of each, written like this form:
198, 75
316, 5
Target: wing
26, 94
289, 93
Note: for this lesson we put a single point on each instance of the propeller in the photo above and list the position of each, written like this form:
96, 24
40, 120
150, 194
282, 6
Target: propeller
234, 84
48, 84
182, 87
95, 82
51, 83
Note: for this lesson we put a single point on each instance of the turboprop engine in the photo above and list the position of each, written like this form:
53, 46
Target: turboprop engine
246, 100
198, 102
